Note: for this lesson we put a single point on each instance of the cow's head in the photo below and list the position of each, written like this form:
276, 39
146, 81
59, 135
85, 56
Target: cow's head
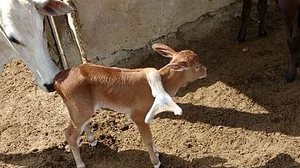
22, 22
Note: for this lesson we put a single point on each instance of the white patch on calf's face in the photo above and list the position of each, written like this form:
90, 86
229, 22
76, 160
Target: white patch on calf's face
22, 22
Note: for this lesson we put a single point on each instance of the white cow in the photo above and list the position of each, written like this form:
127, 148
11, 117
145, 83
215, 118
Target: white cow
22, 23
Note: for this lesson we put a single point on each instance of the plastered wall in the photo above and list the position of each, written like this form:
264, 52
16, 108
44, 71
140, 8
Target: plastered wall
110, 29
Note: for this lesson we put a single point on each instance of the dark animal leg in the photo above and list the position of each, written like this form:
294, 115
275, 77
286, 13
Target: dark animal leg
291, 73
298, 39
246, 9
262, 10
291, 17
293, 58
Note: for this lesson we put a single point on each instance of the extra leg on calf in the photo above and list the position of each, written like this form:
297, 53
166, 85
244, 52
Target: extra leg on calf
162, 101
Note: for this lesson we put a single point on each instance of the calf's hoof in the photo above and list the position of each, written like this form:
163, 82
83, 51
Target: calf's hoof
178, 111
94, 143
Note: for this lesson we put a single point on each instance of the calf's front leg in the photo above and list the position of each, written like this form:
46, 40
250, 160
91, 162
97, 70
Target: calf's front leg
80, 114
146, 135
73, 134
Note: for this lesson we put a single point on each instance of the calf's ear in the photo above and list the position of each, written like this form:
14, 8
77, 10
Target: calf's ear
52, 7
179, 66
164, 50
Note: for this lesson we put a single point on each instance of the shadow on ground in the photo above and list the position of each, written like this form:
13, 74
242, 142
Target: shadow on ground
254, 68
102, 156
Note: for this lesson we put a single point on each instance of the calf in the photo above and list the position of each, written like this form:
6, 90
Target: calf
21, 36
87, 87
246, 9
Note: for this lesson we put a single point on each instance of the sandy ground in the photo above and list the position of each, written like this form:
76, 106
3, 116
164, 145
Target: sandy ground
243, 115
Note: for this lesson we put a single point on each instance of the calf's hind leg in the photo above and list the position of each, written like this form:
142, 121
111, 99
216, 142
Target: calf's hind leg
90, 135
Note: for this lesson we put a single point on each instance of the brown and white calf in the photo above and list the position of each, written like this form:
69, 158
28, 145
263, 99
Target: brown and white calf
87, 87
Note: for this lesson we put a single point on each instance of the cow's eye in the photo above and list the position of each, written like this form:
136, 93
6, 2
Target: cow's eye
14, 40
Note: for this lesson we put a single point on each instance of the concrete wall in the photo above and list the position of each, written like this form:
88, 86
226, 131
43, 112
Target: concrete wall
111, 29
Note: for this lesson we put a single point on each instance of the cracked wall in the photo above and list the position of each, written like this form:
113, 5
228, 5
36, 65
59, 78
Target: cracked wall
115, 31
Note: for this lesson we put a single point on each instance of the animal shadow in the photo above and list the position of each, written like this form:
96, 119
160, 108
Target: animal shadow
102, 156
282, 160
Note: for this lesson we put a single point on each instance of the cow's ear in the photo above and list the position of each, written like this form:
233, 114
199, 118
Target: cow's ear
52, 7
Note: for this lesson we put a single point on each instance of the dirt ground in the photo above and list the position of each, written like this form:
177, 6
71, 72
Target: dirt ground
242, 115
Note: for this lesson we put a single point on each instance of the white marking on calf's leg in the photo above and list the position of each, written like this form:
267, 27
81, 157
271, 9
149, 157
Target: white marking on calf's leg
162, 101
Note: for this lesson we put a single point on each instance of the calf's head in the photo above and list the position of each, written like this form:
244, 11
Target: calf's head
185, 61
22, 23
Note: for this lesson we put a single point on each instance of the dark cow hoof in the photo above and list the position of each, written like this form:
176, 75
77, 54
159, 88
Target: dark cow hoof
290, 78
262, 34
240, 39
